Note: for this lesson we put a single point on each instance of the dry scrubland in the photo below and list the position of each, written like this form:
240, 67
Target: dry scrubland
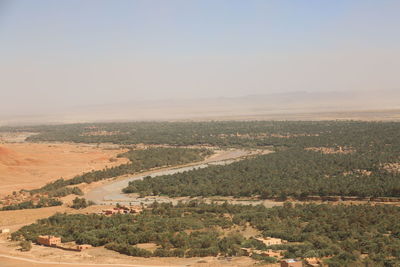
29, 166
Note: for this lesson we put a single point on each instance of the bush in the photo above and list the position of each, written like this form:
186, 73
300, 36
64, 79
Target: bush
265, 259
81, 203
129, 250
43, 202
25, 245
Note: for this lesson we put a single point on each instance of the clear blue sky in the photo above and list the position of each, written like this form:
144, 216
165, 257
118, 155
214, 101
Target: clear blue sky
77, 52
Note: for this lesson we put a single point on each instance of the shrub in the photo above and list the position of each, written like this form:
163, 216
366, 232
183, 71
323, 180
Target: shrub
25, 245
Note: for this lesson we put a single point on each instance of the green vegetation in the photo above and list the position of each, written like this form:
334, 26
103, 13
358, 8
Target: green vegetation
224, 133
25, 245
340, 232
141, 160
292, 172
264, 259
177, 230
81, 203
326, 158
65, 191
42, 203
295, 171
160, 157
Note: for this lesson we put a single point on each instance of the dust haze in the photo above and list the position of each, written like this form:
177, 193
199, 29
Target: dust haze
302, 105
74, 61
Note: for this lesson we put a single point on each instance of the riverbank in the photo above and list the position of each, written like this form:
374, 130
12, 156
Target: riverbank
110, 192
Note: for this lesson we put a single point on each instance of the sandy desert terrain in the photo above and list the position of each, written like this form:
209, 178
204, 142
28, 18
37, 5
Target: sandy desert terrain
21, 155
29, 166
46, 256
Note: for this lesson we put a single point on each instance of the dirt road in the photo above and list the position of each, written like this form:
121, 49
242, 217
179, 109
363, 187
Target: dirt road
12, 261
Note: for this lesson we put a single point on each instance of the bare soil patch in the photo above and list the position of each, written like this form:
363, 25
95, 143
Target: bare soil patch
331, 150
392, 167
17, 137
103, 256
358, 172
29, 166
15, 219
100, 133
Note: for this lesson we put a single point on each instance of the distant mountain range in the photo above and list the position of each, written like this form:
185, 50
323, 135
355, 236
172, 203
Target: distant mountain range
294, 105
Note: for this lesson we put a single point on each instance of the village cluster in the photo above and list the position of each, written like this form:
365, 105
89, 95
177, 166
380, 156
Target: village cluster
278, 254
122, 210
55, 242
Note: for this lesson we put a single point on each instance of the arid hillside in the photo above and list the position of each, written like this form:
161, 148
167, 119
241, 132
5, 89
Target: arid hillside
28, 166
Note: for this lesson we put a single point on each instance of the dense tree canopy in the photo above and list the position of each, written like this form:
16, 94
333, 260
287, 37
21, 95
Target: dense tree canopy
324, 158
42, 203
298, 168
140, 160
197, 229
224, 133
291, 172
311, 158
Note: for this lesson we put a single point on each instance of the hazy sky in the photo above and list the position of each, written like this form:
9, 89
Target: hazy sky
78, 52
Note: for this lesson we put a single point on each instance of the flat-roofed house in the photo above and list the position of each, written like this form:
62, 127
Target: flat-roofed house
49, 240
269, 241
274, 253
291, 263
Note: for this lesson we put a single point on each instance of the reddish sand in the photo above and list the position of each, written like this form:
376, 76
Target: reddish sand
29, 166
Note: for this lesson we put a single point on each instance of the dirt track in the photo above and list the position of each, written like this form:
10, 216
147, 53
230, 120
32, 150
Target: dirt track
17, 261
12, 261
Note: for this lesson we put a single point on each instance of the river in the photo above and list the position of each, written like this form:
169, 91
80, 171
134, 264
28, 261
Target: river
111, 193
